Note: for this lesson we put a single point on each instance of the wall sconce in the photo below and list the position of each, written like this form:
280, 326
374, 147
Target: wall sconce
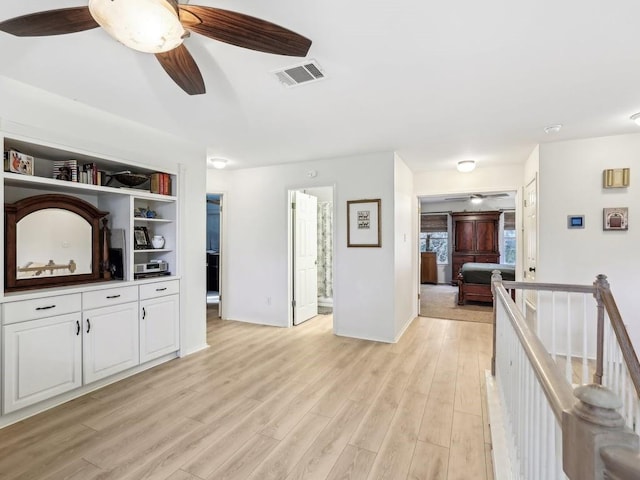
616, 177
466, 166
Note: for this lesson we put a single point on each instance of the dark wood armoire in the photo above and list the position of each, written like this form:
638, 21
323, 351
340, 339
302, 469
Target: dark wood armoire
475, 239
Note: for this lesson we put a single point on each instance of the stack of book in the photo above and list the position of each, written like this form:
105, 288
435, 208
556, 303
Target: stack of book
90, 174
65, 170
161, 183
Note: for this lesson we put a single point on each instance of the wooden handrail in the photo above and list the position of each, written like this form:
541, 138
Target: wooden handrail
551, 287
628, 352
554, 385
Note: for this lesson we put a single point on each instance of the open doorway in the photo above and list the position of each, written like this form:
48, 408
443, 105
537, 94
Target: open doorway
214, 228
310, 253
448, 235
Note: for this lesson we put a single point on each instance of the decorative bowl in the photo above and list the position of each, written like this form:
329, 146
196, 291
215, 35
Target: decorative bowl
129, 179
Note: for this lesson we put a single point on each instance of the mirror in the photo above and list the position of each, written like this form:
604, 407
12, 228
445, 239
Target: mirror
64, 250
51, 240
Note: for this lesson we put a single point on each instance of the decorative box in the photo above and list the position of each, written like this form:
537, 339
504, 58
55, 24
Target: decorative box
18, 162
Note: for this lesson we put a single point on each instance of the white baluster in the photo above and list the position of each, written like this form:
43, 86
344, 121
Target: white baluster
568, 366
554, 347
585, 333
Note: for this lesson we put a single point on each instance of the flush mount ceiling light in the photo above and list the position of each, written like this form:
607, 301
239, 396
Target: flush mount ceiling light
636, 118
552, 128
218, 163
475, 199
466, 165
150, 26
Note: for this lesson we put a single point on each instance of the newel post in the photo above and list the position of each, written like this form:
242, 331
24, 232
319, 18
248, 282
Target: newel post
600, 284
591, 426
496, 276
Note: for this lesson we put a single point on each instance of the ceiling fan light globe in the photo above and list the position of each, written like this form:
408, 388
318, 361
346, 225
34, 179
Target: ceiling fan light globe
150, 26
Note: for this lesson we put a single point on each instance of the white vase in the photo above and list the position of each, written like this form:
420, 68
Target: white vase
157, 241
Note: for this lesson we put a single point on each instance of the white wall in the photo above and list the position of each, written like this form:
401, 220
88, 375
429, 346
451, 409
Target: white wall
255, 262
323, 194
34, 113
482, 179
406, 248
570, 183
466, 206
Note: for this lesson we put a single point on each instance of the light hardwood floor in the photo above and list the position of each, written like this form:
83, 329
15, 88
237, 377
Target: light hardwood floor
271, 403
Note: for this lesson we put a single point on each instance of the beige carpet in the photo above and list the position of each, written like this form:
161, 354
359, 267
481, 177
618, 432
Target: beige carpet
441, 301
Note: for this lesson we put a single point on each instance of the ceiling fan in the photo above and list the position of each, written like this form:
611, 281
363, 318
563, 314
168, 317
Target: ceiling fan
476, 197
160, 27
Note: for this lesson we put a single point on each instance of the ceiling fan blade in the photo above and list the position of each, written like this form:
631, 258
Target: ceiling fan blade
182, 68
456, 199
496, 195
50, 22
243, 30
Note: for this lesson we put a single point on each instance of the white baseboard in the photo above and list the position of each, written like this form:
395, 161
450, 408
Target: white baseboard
403, 329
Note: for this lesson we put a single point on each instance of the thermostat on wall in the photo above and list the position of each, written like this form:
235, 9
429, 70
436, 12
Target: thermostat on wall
575, 221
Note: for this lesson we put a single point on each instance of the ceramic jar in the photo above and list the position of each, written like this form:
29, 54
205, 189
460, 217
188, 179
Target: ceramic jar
157, 241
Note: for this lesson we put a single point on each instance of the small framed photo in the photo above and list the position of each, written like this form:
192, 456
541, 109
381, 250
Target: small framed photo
615, 219
363, 223
141, 239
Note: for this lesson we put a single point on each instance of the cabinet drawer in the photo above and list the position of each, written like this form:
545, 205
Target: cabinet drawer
14, 312
111, 296
487, 258
159, 289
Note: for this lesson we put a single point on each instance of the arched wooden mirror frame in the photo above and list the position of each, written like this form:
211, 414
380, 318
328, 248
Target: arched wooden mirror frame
14, 212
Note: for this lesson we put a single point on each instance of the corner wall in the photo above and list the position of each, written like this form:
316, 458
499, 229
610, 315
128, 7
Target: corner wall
570, 183
406, 248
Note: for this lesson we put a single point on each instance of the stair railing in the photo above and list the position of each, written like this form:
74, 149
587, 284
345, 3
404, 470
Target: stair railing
554, 430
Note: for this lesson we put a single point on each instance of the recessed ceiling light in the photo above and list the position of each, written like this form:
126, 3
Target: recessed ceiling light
466, 165
552, 128
636, 118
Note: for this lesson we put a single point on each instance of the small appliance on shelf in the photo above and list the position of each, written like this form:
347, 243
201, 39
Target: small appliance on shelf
154, 268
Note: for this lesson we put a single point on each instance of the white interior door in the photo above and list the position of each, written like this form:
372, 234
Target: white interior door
530, 209
305, 257
531, 230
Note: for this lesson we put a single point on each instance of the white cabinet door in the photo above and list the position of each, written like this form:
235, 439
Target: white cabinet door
42, 359
159, 327
110, 340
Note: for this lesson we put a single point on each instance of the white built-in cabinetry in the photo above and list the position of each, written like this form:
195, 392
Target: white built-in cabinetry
42, 359
159, 332
60, 342
110, 332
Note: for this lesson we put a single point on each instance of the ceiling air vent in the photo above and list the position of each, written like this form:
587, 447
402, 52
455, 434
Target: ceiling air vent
300, 74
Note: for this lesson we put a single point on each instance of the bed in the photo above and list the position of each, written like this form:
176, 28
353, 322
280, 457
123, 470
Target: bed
474, 281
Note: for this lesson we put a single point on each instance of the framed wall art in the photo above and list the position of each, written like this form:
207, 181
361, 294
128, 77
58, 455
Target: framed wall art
615, 219
363, 223
141, 239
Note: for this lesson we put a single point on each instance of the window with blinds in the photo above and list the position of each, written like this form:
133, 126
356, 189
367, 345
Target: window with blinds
434, 235
509, 246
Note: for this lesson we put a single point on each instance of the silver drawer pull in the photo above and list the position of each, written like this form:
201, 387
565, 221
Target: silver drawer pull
161, 289
46, 308
113, 296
